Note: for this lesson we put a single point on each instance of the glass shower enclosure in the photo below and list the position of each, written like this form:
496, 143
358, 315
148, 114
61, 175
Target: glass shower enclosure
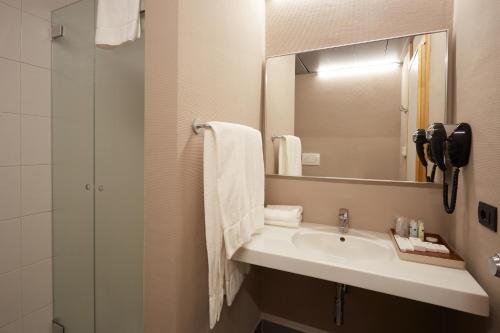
97, 156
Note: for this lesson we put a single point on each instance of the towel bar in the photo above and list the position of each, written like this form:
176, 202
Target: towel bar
197, 126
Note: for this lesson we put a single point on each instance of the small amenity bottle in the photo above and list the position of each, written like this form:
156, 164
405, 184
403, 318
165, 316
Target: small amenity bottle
421, 230
400, 225
413, 228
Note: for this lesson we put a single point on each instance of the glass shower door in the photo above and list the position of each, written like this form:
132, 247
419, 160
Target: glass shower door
119, 177
98, 149
73, 168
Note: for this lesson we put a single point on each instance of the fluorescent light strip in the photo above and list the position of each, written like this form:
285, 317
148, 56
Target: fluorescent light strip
358, 69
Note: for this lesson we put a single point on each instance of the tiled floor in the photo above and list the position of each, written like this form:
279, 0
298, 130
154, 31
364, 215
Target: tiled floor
269, 327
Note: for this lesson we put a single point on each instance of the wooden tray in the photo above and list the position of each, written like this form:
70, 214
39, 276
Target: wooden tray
452, 259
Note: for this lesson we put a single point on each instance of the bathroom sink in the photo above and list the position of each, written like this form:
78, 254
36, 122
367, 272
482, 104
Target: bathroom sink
364, 259
353, 246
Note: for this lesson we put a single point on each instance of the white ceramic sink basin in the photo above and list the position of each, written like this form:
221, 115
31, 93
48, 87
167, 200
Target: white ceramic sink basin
365, 259
354, 246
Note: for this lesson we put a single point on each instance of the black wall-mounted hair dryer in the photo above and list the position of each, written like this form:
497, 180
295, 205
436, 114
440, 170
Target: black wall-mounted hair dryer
453, 148
420, 139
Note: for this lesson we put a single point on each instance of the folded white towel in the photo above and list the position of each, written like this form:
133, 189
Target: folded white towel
418, 245
404, 243
290, 156
283, 215
282, 224
118, 21
233, 173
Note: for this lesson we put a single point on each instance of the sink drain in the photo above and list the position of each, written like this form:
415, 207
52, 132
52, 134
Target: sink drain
342, 239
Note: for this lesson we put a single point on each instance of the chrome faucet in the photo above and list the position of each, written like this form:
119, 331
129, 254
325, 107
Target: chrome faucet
343, 220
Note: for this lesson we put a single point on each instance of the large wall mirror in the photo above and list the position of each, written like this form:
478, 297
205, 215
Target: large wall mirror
350, 111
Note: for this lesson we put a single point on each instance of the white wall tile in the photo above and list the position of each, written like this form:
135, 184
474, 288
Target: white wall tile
10, 85
40, 8
15, 327
36, 286
36, 237
25, 110
36, 195
35, 90
13, 3
35, 41
10, 32
10, 245
10, 204
35, 140
10, 137
10, 294
39, 321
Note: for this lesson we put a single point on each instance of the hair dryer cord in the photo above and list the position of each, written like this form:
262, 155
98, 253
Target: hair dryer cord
450, 207
433, 173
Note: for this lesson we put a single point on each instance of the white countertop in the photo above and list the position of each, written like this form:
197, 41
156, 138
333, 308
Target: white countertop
273, 247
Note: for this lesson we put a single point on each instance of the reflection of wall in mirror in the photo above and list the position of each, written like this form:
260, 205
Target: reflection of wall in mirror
353, 121
437, 80
404, 116
280, 105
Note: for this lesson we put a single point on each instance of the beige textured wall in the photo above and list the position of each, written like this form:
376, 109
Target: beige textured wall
352, 121
372, 207
160, 182
478, 103
310, 24
194, 55
279, 105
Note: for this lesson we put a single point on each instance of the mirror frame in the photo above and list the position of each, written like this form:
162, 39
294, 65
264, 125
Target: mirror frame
333, 179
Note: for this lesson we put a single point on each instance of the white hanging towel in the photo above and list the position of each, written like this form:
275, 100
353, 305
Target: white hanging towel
290, 156
118, 21
233, 173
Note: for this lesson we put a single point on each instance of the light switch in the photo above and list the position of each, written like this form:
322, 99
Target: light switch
310, 159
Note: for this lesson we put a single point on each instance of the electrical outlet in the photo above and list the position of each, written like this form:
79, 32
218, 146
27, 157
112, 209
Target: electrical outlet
487, 215
311, 159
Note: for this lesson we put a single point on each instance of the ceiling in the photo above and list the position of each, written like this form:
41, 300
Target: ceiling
383, 51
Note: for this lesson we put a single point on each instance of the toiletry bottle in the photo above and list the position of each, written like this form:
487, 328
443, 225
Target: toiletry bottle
413, 228
421, 231
406, 227
400, 226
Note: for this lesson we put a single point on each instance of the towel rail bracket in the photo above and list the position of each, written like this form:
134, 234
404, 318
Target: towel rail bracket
197, 125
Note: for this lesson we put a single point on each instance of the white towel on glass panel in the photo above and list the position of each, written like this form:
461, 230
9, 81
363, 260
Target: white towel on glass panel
118, 21
233, 172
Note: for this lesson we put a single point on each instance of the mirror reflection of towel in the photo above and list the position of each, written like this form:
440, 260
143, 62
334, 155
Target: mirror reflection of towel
290, 156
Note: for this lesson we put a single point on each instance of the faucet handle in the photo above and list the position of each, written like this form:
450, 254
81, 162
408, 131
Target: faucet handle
343, 220
344, 213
